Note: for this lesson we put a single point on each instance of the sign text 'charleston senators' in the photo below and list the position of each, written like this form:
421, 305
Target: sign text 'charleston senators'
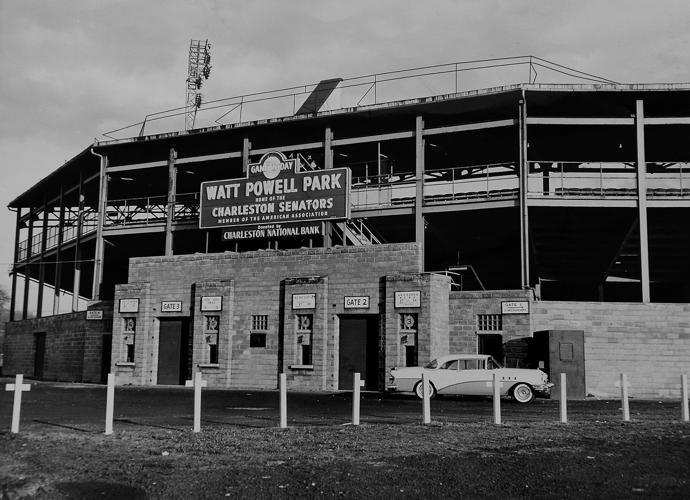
274, 192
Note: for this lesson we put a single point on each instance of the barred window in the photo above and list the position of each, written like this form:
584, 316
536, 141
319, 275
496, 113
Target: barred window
260, 322
489, 322
304, 338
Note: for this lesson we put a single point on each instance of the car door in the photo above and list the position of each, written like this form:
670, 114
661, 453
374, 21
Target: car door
477, 380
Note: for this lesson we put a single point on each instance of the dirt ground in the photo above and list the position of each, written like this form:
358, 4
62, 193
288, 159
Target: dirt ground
61, 451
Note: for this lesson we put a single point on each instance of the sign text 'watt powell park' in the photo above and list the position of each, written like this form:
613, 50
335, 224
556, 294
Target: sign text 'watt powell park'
275, 193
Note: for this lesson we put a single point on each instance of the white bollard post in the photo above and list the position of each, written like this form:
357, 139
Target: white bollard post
497, 400
426, 403
564, 400
357, 384
684, 398
198, 384
283, 401
109, 404
18, 387
624, 397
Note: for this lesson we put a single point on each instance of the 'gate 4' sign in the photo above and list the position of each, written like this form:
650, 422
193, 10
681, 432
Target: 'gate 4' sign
274, 192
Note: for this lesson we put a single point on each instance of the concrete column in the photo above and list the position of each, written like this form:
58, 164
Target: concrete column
172, 192
419, 186
100, 250
523, 169
642, 199
328, 164
13, 292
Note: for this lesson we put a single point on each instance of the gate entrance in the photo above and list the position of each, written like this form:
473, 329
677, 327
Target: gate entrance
359, 351
173, 351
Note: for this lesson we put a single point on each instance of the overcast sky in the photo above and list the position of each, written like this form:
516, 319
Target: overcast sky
73, 69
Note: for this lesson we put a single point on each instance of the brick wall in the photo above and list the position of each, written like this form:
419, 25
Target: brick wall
649, 342
73, 346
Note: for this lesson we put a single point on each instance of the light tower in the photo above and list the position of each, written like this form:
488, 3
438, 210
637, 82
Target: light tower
199, 69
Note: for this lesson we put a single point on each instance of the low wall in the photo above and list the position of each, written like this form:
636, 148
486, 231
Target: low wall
648, 342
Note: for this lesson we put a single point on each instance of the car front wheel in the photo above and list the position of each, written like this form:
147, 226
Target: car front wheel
430, 388
522, 393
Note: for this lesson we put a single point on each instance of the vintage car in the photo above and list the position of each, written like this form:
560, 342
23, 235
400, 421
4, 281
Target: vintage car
471, 374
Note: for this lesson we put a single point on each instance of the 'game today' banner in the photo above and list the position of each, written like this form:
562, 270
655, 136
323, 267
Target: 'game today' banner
274, 193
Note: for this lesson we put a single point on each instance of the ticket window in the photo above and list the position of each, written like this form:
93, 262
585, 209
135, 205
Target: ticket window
408, 339
303, 338
211, 332
129, 338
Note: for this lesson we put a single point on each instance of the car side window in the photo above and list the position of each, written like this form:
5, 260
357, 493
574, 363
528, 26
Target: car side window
450, 365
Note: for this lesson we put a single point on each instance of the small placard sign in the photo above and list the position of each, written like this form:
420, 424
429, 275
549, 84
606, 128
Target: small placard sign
168, 306
358, 302
408, 299
94, 315
214, 303
515, 307
303, 300
128, 305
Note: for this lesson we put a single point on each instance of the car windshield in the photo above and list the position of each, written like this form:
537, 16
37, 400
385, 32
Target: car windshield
492, 364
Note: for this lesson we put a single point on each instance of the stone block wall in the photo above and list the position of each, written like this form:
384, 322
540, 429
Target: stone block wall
648, 342
73, 345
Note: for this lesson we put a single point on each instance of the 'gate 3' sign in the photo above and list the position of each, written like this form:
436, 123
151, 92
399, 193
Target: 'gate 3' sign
273, 193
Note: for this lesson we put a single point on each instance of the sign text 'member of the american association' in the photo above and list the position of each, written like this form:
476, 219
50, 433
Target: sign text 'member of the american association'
274, 192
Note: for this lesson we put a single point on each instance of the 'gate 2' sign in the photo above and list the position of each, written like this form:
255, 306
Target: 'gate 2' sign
274, 192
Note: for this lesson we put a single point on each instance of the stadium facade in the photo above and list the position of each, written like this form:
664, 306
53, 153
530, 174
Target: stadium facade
548, 225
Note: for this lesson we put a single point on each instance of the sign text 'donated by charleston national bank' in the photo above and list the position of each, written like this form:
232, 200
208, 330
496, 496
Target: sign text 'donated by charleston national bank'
274, 192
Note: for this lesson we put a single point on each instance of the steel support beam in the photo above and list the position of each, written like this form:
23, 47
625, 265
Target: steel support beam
100, 246
246, 147
41, 263
58, 253
172, 191
27, 272
419, 186
13, 292
524, 213
642, 200
328, 164
77, 246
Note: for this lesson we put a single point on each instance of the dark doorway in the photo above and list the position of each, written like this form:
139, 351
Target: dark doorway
39, 353
358, 347
172, 351
562, 351
492, 344
106, 351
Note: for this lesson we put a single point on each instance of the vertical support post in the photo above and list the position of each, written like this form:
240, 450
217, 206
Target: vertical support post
77, 245
419, 187
497, 399
102, 206
642, 199
356, 385
523, 174
13, 295
624, 397
110, 404
328, 164
58, 252
27, 268
41, 263
685, 414
246, 146
283, 401
564, 400
197, 402
18, 387
172, 192
426, 399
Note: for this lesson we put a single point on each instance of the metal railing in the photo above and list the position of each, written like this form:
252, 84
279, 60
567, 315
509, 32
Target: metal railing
142, 210
487, 181
434, 80
606, 179
52, 235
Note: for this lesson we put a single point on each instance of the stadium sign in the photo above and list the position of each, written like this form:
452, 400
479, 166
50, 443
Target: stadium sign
272, 231
273, 193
